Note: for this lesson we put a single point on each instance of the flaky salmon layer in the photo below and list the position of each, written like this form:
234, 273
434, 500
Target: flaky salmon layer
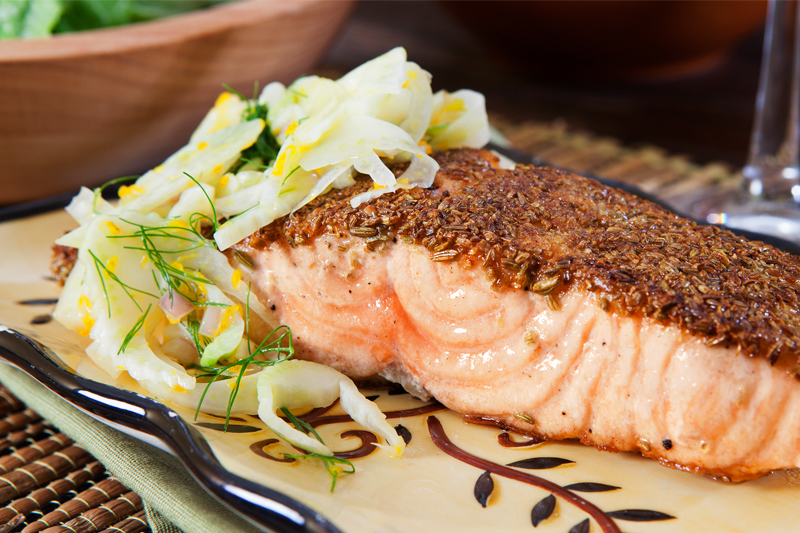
551, 304
578, 372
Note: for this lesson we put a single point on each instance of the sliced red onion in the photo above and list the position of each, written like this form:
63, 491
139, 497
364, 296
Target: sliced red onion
175, 306
211, 319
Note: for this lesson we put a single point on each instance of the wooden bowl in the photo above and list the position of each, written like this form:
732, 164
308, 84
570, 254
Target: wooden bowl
612, 39
83, 108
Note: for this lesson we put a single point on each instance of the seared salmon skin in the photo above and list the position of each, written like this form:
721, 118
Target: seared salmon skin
551, 304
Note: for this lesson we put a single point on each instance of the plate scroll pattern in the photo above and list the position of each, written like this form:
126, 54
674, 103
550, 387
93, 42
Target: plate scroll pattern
484, 485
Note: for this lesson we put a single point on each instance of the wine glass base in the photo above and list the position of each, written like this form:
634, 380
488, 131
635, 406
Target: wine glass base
735, 209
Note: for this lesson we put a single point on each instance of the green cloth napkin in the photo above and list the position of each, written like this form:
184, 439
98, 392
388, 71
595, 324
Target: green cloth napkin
174, 502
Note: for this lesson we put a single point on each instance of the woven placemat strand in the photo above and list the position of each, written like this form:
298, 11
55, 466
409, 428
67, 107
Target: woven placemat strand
672, 178
50, 484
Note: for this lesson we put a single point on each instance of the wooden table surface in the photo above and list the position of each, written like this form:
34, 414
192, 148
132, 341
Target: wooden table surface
707, 116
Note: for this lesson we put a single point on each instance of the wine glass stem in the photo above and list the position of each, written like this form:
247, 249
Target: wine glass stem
773, 165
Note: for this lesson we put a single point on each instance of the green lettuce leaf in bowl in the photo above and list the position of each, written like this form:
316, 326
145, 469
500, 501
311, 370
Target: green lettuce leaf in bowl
29, 18
40, 18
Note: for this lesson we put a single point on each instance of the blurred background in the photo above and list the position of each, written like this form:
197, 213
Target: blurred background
621, 88
678, 74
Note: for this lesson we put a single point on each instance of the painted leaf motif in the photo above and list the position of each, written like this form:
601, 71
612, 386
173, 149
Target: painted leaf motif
232, 428
41, 319
39, 301
590, 487
484, 488
540, 463
581, 527
542, 510
640, 515
403, 432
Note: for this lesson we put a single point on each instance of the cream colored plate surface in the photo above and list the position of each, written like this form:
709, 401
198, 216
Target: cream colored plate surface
427, 489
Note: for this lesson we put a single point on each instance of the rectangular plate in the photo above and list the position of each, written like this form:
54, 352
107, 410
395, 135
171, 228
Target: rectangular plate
431, 487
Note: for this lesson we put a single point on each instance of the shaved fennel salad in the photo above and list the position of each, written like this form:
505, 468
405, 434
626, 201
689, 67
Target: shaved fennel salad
159, 300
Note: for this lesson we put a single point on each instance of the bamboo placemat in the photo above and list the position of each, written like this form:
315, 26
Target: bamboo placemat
49, 484
672, 178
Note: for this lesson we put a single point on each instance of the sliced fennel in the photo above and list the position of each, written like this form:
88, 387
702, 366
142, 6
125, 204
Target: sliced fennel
159, 299
224, 344
112, 286
383, 111
289, 385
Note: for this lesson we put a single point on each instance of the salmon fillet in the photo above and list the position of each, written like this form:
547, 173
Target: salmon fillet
551, 304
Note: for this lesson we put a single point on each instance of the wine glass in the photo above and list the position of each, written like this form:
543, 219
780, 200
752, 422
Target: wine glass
768, 197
